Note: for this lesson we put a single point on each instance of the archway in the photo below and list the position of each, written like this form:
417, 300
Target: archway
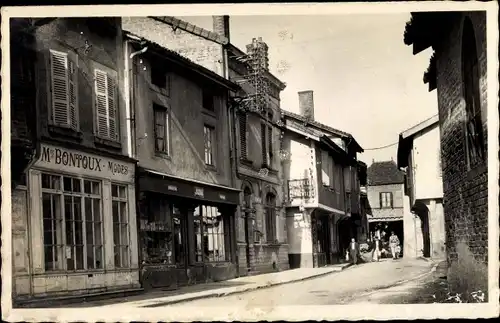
345, 233
421, 210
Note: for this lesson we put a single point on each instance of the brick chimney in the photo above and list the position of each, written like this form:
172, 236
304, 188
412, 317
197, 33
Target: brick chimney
259, 47
221, 25
306, 104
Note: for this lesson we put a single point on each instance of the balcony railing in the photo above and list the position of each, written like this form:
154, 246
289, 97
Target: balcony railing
300, 189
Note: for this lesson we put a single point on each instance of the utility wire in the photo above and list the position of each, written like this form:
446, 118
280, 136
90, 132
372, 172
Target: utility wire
382, 147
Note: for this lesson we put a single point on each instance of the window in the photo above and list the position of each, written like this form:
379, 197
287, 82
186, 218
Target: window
72, 223
106, 105
158, 232
470, 74
243, 135
159, 77
208, 100
64, 87
209, 132
270, 217
120, 225
386, 200
161, 129
214, 242
326, 168
266, 133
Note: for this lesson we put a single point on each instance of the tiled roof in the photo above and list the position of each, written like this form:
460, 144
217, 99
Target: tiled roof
195, 30
191, 64
384, 173
317, 124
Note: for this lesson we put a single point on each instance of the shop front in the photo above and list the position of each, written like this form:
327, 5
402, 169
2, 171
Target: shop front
186, 231
79, 215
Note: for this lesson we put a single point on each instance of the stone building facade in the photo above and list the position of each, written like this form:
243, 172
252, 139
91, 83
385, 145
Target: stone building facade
186, 196
458, 71
262, 240
73, 211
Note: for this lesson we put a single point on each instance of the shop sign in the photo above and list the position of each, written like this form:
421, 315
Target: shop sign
69, 160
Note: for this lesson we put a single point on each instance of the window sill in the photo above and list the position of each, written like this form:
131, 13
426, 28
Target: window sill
107, 142
163, 155
65, 132
210, 113
246, 161
211, 168
476, 170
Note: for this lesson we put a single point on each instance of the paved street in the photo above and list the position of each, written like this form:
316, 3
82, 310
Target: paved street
337, 288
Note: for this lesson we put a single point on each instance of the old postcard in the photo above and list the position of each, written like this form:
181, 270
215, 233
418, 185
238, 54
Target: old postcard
250, 162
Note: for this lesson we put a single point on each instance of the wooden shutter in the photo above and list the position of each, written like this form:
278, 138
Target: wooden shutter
73, 95
380, 197
392, 200
263, 142
243, 135
59, 82
106, 115
325, 174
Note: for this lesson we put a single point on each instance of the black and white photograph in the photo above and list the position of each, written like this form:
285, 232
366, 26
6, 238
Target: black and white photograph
250, 162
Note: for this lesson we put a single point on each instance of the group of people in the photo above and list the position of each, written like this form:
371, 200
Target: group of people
376, 248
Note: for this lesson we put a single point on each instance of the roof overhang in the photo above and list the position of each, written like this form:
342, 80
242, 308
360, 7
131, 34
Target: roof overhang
180, 61
337, 151
405, 143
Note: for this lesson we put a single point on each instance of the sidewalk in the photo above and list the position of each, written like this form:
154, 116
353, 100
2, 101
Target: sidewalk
237, 285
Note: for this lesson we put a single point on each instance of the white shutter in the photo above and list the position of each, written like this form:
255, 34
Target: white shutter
59, 82
325, 174
106, 116
73, 95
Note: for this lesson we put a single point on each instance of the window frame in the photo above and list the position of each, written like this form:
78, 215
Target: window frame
225, 234
61, 193
121, 200
270, 218
390, 201
157, 108
211, 153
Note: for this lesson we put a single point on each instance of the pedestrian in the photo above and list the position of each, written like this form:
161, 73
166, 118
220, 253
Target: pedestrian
377, 249
354, 251
394, 244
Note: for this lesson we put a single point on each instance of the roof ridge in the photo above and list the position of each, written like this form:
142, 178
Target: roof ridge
191, 28
318, 124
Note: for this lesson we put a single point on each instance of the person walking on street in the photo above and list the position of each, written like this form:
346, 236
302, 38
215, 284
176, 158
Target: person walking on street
377, 249
354, 251
394, 244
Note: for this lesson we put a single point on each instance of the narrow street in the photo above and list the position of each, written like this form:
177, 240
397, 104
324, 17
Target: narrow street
337, 288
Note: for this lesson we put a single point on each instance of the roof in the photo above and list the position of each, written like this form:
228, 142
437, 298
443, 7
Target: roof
337, 151
190, 28
405, 143
183, 61
238, 52
384, 173
325, 128
426, 124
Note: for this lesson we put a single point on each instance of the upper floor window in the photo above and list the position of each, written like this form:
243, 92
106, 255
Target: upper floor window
160, 78
106, 106
326, 169
242, 118
386, 200
208, 100
470, 75
161, 129
64, 88
266, 132
209, 136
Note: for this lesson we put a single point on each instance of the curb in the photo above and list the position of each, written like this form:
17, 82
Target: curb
251, 288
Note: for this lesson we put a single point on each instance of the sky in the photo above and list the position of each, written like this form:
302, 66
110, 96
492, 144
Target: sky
366, 81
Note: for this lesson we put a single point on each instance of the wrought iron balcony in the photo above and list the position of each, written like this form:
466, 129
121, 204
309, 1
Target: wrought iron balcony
299, 189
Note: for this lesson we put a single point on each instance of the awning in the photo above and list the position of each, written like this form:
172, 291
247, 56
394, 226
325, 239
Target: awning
371, 219
157, 182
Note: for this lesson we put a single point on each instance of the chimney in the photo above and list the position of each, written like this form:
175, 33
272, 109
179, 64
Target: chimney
306, 104
221, 25
258, 47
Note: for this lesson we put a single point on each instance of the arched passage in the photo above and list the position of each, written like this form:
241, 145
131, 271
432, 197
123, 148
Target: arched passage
421, 210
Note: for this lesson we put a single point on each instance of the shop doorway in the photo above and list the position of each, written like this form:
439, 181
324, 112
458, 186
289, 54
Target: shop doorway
323, 253
421, 210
